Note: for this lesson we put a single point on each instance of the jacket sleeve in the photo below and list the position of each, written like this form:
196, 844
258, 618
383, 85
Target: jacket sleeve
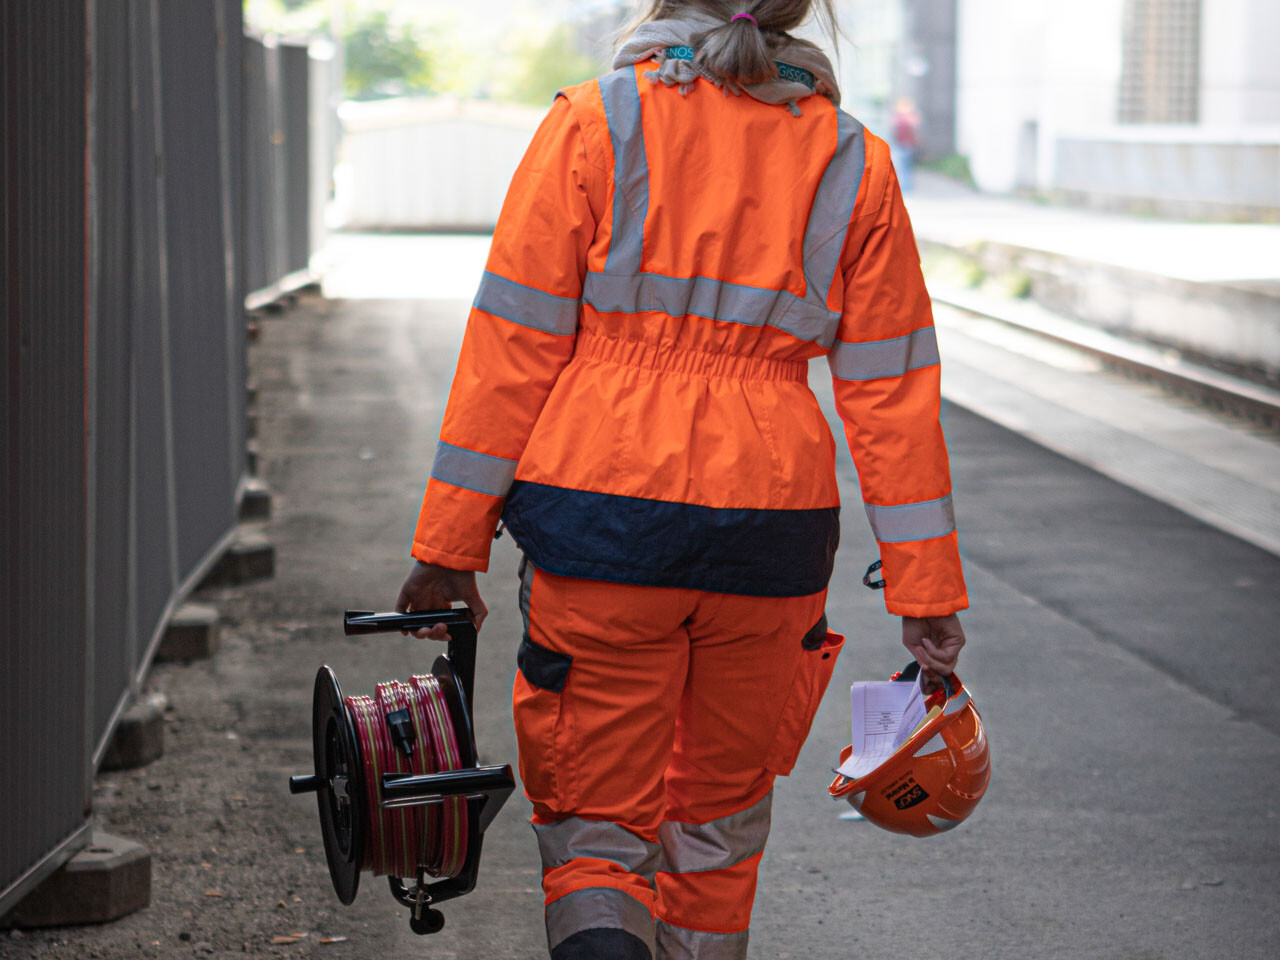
886, 375
519, 336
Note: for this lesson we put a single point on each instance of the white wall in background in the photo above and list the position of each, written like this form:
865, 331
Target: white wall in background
429, 163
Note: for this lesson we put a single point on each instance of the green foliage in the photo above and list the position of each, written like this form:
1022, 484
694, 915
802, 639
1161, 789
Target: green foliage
953, 165
386, 59
543, 68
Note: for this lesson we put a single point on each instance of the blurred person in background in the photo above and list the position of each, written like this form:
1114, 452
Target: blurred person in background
683, 235
905, 138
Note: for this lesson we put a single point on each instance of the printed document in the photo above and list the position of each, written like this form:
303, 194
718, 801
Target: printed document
885, 715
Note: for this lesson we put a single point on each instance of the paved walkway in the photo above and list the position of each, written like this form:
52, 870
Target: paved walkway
1121, 652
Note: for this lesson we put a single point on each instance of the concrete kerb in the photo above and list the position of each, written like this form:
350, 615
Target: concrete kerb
249, 558
139, 736
107, 880
191, 634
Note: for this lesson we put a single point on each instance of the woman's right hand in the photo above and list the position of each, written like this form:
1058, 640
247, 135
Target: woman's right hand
432, 587
935, 643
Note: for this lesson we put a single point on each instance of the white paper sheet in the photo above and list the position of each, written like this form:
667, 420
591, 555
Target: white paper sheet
885, 714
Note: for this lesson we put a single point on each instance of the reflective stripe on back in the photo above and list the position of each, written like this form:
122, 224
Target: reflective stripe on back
833, 209
624, 288
630, 170
907, 522
471, 470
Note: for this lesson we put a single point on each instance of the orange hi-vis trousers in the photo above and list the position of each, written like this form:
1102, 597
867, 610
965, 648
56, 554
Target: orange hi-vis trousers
651, 723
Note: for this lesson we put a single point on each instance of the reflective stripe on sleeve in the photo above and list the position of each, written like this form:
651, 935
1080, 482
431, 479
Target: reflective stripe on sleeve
596, 908
472, 470
527, 306
833, 208
574, 837
679, 942
621, 99
906, 522
876, 359
724, 842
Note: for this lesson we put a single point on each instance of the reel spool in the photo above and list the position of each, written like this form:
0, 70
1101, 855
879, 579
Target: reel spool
396, 779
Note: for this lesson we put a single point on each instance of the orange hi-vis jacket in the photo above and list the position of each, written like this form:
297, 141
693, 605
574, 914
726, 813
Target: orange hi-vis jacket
631, 397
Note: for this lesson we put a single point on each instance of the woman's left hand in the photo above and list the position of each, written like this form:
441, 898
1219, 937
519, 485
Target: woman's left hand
432, 587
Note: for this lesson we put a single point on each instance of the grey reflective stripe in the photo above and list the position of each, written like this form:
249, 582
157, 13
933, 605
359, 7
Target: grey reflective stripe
526, 590
908, 522
621, 99
935, 744
527, 306
713, 299
833, 209
574, 837
594, 908
622, 288
472, 470
955, 704
874, 359
694, 847
941, 823
676, 941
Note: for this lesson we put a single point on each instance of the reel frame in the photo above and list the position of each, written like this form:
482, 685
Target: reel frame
342, 795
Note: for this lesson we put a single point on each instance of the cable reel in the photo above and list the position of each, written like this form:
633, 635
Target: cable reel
397, 782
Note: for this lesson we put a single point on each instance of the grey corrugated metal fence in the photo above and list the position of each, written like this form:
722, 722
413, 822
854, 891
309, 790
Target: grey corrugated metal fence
132, 186
277, 222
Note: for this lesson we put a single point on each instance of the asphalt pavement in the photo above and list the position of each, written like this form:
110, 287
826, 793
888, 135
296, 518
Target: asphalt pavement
1122, 656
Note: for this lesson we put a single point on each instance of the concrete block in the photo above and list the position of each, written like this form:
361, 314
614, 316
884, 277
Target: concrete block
255, 501
139, 736
192, 634
250, 557
251, 425
251, 393
252, 457
109, 879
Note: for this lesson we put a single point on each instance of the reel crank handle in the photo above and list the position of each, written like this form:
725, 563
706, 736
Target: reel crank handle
462, 646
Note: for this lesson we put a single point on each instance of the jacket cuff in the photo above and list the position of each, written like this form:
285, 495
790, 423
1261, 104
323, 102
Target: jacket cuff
456, 526
923, 578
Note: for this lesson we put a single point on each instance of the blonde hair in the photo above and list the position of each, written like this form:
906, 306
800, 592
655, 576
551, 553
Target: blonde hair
741, 51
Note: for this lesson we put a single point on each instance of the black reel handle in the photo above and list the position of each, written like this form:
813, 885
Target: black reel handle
462, 634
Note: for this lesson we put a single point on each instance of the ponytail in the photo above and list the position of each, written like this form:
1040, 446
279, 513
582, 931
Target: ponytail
740, 49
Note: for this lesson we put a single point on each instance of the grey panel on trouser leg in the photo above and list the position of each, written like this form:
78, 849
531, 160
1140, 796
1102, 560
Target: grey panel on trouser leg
574, 837
615, 919
677, 943
719, 843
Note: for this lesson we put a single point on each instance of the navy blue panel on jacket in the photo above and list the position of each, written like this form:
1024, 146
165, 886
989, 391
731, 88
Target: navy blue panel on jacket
657, 543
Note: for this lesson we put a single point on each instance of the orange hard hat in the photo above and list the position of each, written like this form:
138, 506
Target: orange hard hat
934, 780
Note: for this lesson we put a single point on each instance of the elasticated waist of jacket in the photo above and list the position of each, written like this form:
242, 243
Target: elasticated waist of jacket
659, 543
670, 359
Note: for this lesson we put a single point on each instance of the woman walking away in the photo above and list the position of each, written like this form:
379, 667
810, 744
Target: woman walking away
682, 237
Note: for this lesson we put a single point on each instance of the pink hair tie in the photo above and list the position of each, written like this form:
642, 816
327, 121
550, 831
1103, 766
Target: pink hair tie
745, 16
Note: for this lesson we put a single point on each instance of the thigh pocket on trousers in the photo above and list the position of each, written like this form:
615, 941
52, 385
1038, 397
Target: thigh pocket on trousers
812, 675
542, 724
